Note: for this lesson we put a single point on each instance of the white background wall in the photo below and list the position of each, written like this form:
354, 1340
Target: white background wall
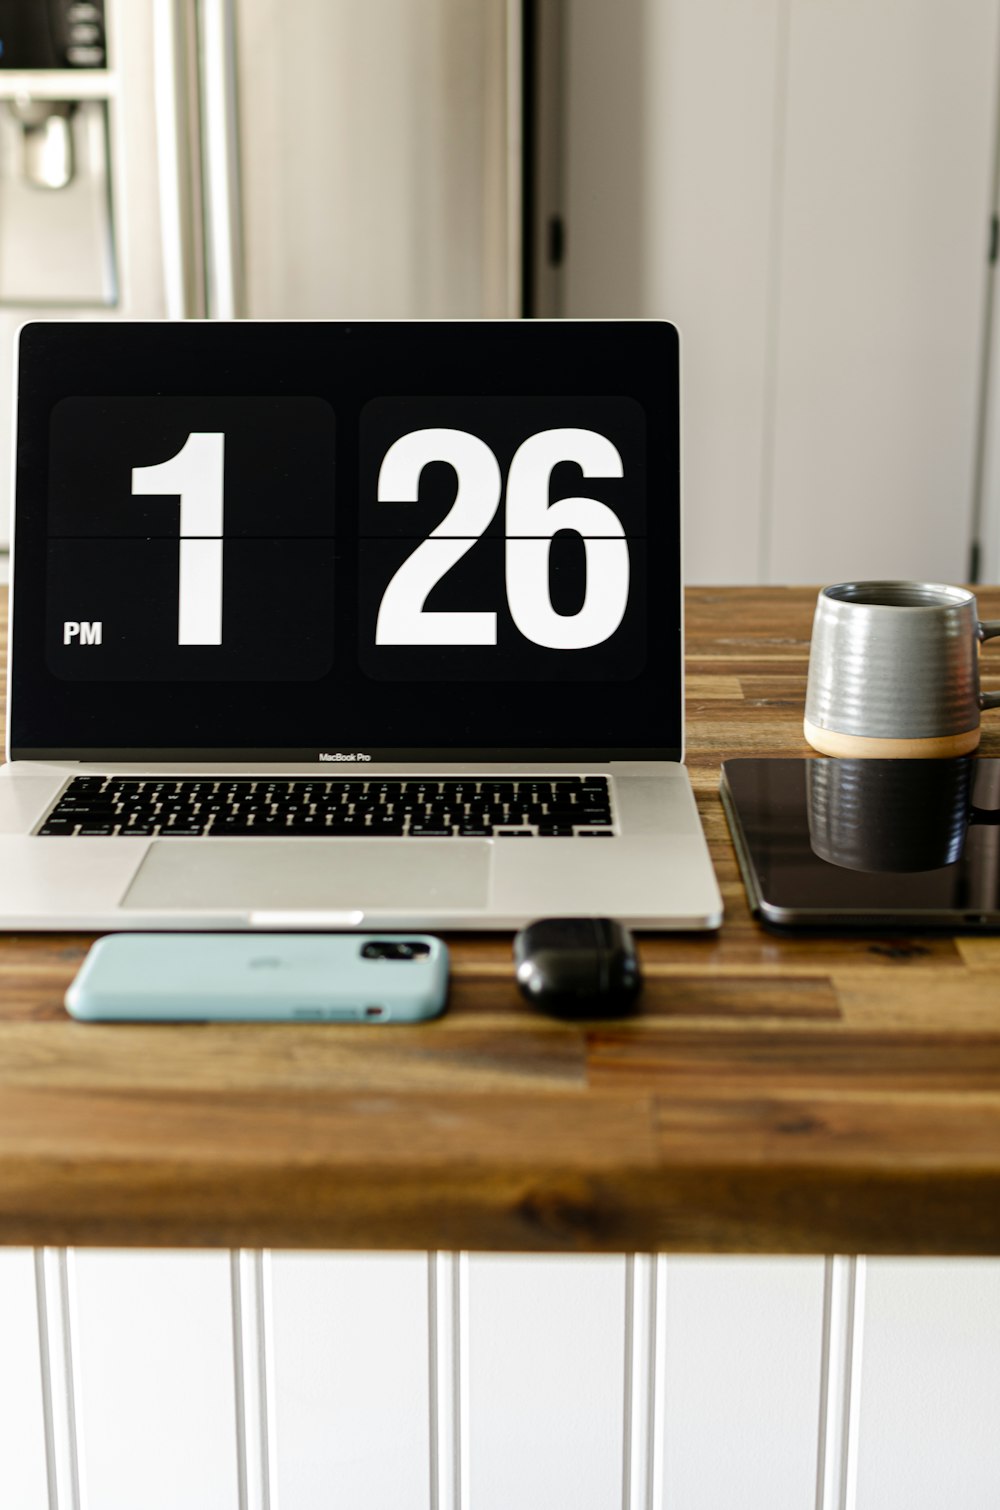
805, 188
488, 1382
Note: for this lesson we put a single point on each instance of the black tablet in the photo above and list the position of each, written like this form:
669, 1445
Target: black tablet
868, 843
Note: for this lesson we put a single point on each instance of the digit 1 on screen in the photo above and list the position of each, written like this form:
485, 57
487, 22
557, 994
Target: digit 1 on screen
195, 473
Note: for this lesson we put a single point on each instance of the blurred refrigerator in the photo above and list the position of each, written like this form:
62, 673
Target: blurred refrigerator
257, 158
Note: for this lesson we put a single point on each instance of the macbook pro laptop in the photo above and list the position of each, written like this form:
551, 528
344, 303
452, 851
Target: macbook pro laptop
347, 625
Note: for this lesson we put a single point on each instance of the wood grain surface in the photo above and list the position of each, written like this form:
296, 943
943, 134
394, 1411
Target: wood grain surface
806, 1094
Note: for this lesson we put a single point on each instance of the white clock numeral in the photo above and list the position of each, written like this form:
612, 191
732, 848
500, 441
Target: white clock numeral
604, 603
402, 618
529, 511
531, 523
196, 474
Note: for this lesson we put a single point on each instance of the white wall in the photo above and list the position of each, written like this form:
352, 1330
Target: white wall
486, 1382
805, 187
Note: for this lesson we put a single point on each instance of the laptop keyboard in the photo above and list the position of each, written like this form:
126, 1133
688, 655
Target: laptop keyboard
562, 807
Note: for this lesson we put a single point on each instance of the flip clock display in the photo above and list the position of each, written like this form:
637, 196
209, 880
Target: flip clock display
432, 539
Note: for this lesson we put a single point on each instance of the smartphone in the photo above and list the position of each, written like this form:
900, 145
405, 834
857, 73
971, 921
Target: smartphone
261, 977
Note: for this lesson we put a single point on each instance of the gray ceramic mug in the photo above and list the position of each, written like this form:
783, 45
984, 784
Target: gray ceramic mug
894, 671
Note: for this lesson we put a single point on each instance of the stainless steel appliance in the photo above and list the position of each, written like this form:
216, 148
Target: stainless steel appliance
262, 158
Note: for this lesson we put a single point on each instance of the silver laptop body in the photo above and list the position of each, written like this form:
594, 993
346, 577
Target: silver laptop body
301, 611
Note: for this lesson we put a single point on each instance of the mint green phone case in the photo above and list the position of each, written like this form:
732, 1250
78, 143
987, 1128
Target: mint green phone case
261, 977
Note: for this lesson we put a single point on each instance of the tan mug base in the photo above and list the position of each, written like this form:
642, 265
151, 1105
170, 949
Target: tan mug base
859, 747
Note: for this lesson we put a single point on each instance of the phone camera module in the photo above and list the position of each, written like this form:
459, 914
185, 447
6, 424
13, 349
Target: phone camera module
394, 949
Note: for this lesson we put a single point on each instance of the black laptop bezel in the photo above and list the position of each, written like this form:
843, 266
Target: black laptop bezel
56, 360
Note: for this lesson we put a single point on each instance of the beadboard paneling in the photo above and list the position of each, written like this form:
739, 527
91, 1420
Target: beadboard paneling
546, 1353
156, 1407
22, 1436
929, 1431
742, 1383
350, 1369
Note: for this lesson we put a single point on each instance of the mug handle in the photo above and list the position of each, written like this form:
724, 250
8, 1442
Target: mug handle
988, 630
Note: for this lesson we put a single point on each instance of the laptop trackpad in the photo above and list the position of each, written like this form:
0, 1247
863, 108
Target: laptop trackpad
311, 875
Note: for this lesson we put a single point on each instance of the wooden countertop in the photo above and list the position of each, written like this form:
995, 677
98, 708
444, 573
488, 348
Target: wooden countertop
810, 1094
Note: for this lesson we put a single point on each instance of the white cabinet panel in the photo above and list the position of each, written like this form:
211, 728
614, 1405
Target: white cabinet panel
742, 1382
804, 186
22, 1436
350, 1370
930, 1385
885, 217
713, 75
670, 177
156, 1406
546, 1382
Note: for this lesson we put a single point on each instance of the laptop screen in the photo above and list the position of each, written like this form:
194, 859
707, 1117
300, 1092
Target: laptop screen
320, 541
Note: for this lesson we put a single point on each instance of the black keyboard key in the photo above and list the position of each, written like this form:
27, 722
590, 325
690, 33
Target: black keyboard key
93, 830
475, 830
429, 831
58, 826
514, 833
83, 805
595, 833
386, 825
